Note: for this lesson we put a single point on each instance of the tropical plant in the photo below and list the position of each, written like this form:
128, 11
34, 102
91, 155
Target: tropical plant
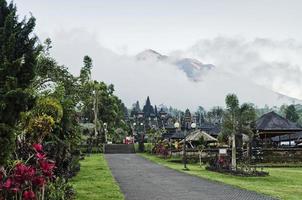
237, 120
291, 113
18, 53
27, 179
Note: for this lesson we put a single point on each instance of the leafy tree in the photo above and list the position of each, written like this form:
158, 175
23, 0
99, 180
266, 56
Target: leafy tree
58, 93
200, 113
215, 115
100, 105
291, 113
85, 74
237, 120
18, 53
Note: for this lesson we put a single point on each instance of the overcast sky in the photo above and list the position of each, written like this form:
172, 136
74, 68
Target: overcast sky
256, 40
130, 26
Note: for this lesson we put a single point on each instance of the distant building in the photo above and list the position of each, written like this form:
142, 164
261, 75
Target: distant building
273, 128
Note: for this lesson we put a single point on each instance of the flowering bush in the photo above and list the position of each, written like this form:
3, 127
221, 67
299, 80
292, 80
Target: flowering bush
27, 181
162, 149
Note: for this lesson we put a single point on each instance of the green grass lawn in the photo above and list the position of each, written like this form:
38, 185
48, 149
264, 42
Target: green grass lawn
283, 183
95, 181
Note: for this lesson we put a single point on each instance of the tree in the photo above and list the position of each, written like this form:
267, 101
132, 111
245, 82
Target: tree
85, 74
237, 120
215, 115
201, 112
291, 113
18, 53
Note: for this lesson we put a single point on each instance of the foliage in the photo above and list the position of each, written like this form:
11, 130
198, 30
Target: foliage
110, 109
39, 127
59, 189
291, 113
237, 120
215, 115
154, 135
27, 180
49, 106
118, 136
162, 149
85, 74
18, 53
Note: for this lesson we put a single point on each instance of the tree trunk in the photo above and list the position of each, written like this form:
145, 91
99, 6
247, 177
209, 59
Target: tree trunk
249, 151
200, 151
234, 163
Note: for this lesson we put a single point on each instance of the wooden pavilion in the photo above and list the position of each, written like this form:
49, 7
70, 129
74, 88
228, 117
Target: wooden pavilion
271, 125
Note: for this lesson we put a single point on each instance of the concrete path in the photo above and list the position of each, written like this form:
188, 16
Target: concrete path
141, 179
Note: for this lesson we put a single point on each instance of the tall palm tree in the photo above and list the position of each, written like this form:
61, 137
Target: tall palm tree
237, 120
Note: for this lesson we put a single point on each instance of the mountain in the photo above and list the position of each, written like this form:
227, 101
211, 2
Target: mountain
152, 55
193, 68
216, 83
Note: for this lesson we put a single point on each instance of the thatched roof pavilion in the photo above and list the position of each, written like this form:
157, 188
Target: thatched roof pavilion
195, 136
271, 124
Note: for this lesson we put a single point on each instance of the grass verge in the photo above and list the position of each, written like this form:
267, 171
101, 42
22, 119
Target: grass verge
95, 181
283, 183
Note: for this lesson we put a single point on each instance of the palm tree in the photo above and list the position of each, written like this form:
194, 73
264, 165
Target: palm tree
237, 120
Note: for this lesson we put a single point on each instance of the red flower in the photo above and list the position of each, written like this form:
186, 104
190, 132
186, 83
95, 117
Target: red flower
46, 167
39, 181
20, 168
29, 195
8, 183
23, 172
30, 173
38, 147
15, 189
40, 155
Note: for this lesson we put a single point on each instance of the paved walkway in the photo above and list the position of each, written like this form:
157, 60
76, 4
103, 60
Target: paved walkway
141, 179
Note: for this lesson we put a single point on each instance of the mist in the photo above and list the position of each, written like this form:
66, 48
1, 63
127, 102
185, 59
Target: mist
240, 69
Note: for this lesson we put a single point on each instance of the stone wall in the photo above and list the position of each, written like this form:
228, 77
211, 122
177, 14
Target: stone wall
284, 155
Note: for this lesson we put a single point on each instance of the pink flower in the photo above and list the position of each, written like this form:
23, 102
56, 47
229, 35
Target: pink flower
38, 147
40, 155
8, 183
47, 167
39, 181
23, 172
30, 173
15, 189
29, 195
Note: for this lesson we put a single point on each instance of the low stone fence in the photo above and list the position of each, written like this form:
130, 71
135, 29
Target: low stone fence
282, 155
268, 155
193, 154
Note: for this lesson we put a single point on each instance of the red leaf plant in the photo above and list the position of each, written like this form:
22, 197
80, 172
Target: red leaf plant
27, 181
38, 147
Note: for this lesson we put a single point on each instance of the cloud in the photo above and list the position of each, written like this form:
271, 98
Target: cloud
276, 65
165, 83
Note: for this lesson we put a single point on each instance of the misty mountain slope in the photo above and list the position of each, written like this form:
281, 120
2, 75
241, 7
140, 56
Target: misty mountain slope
164, 81
150, 54
273, 64
194, 69
216, 83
